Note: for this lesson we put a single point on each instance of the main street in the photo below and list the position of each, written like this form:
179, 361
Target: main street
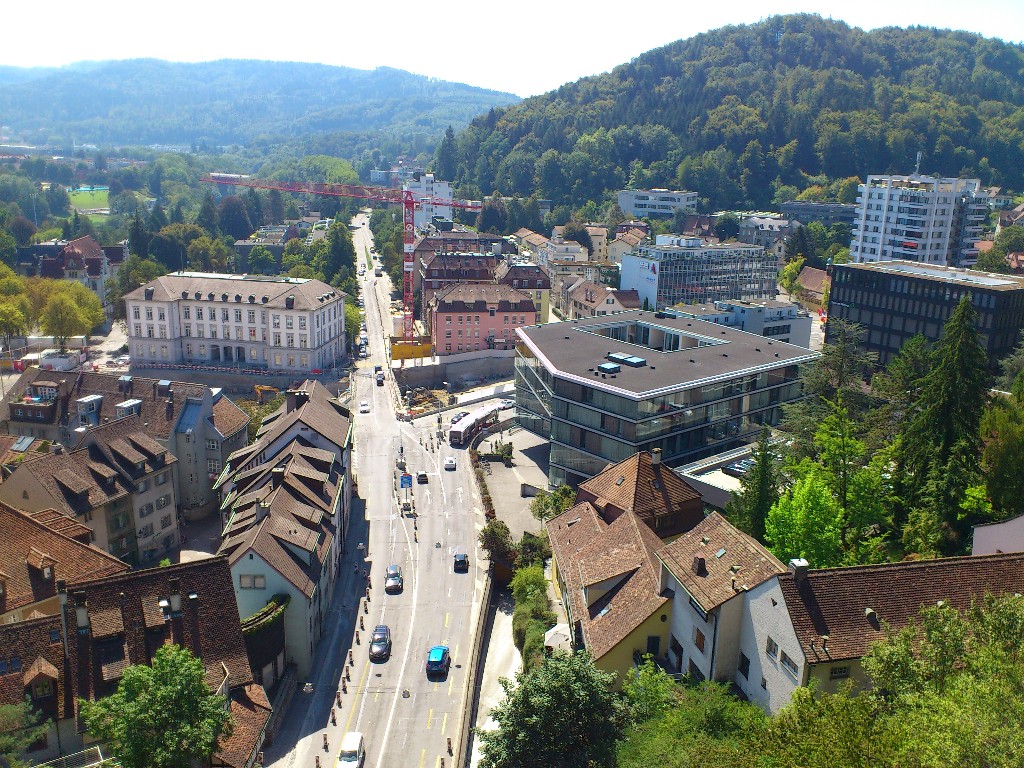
405, 718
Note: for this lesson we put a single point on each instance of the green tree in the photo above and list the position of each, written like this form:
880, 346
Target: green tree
12, 323
533, 727
649, 691
8, 248
161, 716
19, 728
22, 229
157, 219
898, 387
727, 226
1002, 429
262, 262
134, 273
275, 207
807, 522
62, 318
496, 541
759, 490
138, 236
446, 160
207, 218
207, 254
233, 218
577, 233
549, 504
789, 274
254, 207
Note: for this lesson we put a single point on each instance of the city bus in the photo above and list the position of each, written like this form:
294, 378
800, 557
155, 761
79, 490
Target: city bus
466, 428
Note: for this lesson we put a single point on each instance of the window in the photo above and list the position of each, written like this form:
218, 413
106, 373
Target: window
223, 316
698, 640
213, 445
744, 666
146, 530
143, 486
145, 510
42, 688
213, 466
188, 313
276, 321
251, 315
238, 315
788, 663
764, 683
288, 322
163, 501
165, 522
839, 673
302, 323
138, 329
149, 313
160, 314
771, 648
199, 313
252, 581
135, 313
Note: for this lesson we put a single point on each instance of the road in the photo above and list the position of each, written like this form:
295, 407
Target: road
405, 718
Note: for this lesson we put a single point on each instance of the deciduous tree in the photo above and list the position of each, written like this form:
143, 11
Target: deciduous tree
19, 728
546, 505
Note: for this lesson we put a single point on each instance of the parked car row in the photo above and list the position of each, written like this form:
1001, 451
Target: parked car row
739, 468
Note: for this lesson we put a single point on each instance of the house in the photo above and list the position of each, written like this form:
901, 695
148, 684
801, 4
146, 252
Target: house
469, 318
531, 279
588, 299
993, 538
766, 230
625, 242
529, 241
82, 260
440, 271
811, 285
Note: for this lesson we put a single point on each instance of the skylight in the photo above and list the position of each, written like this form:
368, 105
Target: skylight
720, 552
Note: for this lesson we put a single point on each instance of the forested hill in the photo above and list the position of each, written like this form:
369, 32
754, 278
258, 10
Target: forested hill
737, 112
147, 101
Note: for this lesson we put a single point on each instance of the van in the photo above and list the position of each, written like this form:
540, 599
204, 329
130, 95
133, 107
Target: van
352, 752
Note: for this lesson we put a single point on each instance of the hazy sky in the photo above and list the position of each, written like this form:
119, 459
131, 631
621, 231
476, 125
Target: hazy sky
524, 47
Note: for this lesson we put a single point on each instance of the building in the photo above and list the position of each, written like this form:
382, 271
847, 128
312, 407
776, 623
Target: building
598, 240
530, 279
603, 389
895, 300
200, 426
655, 203
438, 271
238, 323
625, 242
589, 299
812, 284
554, 252
469, 318
1004, 536
998, 198
766, 230
779, 320
424, 185
825, 213
926, 219
430, 245
82, 260
688, 270
528, 241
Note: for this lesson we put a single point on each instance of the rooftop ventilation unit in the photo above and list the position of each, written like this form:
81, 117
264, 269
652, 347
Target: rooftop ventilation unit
609, 368
631, 360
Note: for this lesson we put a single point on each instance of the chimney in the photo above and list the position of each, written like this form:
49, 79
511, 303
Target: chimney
798, 567
81, 613
655, 457
276, 477
193, 615
262, 510
699, 566
168, 408
289, 400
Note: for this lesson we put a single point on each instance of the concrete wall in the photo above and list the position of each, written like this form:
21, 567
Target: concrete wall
766, 616
458, 370
234, 383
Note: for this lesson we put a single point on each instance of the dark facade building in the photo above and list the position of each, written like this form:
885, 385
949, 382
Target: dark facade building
827, 213
895, 300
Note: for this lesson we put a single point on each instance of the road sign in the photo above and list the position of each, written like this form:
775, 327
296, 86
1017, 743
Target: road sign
406, 481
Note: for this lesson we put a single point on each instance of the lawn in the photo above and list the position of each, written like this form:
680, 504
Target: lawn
89, 199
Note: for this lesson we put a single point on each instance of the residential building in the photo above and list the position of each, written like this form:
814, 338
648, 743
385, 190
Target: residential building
531, 279
440, 271
998, 198
816, 625
700, 225
602, 389
686, 269
429, 245
588, 299
655, 203
708, 571
554, 252
528, 241
824, 213
925, 219
627, 226
272, 237
625, 242
1004, 536
119, 484
598, 240
425, 188
236, 323
766, 230
811, 286
82, 260
469, 318
565, 275
779, 320
895, 300
200, 426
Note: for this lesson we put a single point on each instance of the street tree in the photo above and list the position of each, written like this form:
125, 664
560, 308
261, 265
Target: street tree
262, 261
563, 712
19, 727
161, 716
12, 323
62, 318
496, 541
549, 504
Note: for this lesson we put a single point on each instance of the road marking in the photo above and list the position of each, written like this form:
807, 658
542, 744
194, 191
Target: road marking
451, 682
446, 617
359, 690
423, 756
444, 723
430, 718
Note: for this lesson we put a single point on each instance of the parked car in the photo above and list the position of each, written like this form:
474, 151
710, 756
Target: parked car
380, 643
459, 416
449, 463
461, 564
421, 477
439, 660
393, 581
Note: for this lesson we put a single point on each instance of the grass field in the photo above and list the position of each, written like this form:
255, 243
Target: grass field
84, 200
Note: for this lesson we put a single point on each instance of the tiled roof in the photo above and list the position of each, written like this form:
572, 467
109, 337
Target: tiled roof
228, 418
27, 543
653, 492
508, 271
250, 712
466, 297
306, 293
812, 280
836, 601
732, 561
83, 247
619, 557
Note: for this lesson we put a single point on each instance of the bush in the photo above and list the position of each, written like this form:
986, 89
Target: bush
533, 646
533, 549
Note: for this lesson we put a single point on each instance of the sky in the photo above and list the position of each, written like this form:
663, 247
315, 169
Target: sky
524, 47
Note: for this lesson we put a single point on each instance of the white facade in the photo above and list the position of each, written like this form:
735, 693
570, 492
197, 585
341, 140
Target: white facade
780, 321
926, 219
424, 187
655, 203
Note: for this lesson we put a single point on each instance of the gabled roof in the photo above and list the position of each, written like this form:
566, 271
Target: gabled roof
31, 643
612, 578
812, 280
466, 297
730, 561
838, 601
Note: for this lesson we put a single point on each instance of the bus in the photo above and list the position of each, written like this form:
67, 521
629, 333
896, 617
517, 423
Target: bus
466, 428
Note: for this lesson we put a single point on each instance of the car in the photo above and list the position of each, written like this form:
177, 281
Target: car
461, 564
506, 404
439, 660
459, 416
353, 751
380, 643
364, 406
111, 363
393, 581
124, 360
449, 463
421, 477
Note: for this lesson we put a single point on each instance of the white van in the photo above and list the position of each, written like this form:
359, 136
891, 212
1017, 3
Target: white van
352, 751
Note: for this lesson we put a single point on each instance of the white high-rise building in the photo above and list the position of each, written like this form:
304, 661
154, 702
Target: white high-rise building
425, 187
926, 219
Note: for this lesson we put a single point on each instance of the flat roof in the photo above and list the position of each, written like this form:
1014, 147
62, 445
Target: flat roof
970, 278
574, 349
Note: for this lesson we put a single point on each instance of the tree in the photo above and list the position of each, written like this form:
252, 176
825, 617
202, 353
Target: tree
496, 541
207, 218
535, 727
22, 229
576, 232
262, 261
233, 217
12, 323
446, 162
546, 505
8, 248
648, 690
254, 207
789, 274
807, 522
161, 716
62, 318
275, 207
759, 490
210, 255
157, 218
727, 227
19, 728
1002, 429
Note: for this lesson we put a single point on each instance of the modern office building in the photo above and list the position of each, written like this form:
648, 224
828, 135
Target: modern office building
778, 320
687, 269
274, 324
825, 213
603, 388
895, 300
655, 203
926, 219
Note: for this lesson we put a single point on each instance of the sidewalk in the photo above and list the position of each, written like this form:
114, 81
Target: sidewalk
529, 467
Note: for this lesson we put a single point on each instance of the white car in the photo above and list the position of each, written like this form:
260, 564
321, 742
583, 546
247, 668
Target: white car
449, 462
506, 404
364, 406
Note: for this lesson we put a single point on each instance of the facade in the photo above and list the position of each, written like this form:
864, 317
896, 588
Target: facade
603, 389
530, 279
895, 300
1004, 536
625, 242
779, 320
655, 203
554, 252
469, 318
439, 271
811, 285
589, 299
424, 185
282, 325
766, 230
688, 270
826, 213
82, 260
925, 219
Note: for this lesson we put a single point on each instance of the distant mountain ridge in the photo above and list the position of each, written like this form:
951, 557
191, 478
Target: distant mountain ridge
148, 101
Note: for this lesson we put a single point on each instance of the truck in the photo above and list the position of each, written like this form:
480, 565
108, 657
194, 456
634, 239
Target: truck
378, 270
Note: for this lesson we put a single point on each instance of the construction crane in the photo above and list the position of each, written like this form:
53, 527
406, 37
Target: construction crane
401, 197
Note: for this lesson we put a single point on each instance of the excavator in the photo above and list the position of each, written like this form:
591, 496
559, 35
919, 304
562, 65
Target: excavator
263, 389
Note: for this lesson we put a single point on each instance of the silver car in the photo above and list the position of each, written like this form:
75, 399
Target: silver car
393, 581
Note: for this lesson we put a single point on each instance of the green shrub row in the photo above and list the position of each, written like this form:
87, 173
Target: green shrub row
268, 614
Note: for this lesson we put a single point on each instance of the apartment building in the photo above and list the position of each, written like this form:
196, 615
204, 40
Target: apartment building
469, 318
825, 213
531, 279
779, 320
425, 186
895, 300
282, 325
655, 203
589, 299
689, 270
439, 271
927, 219
766, 230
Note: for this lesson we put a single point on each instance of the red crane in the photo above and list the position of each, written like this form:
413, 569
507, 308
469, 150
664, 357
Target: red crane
379, 194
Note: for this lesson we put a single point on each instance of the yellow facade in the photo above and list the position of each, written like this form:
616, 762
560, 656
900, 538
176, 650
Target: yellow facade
619, 659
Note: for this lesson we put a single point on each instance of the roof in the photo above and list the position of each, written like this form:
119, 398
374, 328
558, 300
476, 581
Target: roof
653, 492
612, 578
507, 271
250, 713
468, 297
572, 351
228, 418
437, 653
731, 561
31, 643
812, 280
239, 289
28, 543
969, 278
835, 601
593, 295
